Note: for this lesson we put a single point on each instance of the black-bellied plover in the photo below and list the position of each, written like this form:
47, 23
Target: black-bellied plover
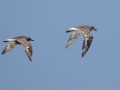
24, 40
85, 31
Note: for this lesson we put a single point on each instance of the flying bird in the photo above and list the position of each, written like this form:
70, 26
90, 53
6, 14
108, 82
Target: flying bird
85, 31
24, 40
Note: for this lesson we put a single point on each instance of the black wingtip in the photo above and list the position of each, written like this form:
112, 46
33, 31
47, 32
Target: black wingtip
82, 56
66, 47
3, 52
30, 60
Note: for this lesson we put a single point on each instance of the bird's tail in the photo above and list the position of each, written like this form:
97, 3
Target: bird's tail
5, 41
8, 40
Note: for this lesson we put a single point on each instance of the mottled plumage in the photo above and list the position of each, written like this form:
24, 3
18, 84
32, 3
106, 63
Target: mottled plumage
85, 31
24, 40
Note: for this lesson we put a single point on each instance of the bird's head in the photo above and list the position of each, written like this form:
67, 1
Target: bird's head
92, 28
29, 39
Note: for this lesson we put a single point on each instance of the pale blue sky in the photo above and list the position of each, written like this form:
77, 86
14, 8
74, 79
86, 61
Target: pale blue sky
54, 67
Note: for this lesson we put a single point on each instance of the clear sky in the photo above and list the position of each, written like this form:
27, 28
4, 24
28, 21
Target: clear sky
53, 67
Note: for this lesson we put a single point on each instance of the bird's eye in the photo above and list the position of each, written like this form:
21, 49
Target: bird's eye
29, 38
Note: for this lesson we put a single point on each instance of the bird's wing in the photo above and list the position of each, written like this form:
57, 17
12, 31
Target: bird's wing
8, 47
86, 42
28, 47
73, 37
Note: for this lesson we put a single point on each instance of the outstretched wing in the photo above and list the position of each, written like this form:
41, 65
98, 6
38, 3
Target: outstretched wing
28, 47
73, 37
8, 47
86, 42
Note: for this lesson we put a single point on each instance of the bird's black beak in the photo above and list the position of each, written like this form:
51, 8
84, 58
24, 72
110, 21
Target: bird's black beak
32, 40
95, 29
